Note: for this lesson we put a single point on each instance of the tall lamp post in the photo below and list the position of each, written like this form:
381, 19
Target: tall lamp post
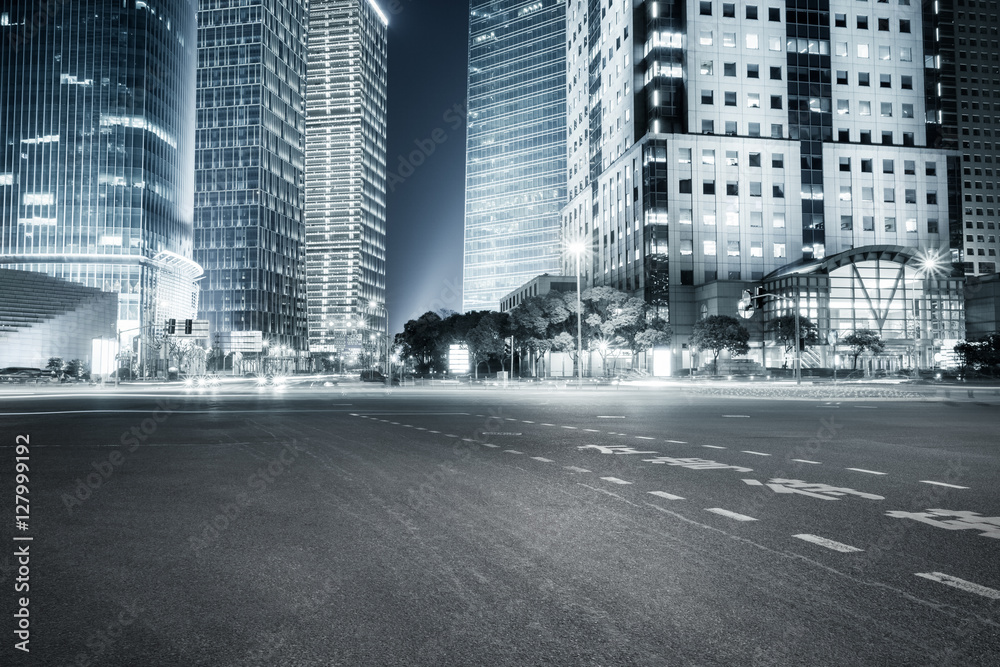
385, 310
577, 248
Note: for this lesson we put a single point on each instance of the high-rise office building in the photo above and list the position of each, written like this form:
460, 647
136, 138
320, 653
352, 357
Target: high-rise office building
346, 175
97, 150
516, 146
975, 89
249, 206
716, 146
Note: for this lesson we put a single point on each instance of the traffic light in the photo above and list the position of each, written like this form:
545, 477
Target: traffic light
758, 297
171, 326
188, 326
506, 349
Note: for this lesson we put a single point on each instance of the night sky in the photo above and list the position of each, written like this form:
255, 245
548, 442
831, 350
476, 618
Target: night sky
428, 54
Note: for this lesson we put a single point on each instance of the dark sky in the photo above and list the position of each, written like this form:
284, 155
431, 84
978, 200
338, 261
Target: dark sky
428, 53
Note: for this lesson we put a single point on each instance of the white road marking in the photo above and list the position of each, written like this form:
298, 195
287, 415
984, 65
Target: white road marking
408, 425
449, 435
543, 459
486, 444
527, 422
468, 440
961, 584
510, 419
829, 544
421, 428
713, 446
645, 437
591, 430
664, 494
611, 416
867, 407
615, 480
950, 486
394, 423
512, 451
354, 414
433, 431
576, 469
731, 515
678, 442
870, 472
815, 463
544, 424
753, 482
743, 416
747, 451
570, 427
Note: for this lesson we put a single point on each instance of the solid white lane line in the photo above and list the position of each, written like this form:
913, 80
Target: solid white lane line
870, 472
747, 451
815, 463
736, 416
543, 459
829, 544
678, 442
576, 469
713, 446
615, 480
645, 437
512, 451
664, 494
731, 515
961, 584
950, 486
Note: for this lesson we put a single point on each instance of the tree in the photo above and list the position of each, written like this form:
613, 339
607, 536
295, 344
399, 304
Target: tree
861, 340
716, 333
55, 365
421, 341
486, 339
75, 368
783, 329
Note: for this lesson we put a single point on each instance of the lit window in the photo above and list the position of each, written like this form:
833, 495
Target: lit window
779, 250
709, 248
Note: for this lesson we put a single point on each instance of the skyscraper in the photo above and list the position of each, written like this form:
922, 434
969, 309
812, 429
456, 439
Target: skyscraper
516, 146
715, 146
346, 175
249, 207
97, 150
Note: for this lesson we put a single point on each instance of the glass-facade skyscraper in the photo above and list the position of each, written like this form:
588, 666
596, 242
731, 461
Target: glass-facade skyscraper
97, 150
516, 146
346, 175
249, 201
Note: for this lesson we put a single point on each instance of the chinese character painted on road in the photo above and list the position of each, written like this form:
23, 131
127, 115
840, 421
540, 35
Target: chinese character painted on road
615, 449
697, 464
951, 520
811, 489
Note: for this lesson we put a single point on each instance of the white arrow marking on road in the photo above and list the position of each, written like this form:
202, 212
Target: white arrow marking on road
950, 486
870, 472
615, 480
815, 463
576, 469
961, 584
731, 515
543, 459
829, 544
664, 494
747, 451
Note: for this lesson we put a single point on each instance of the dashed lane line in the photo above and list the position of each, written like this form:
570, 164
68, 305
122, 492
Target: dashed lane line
576, 469
869, 472
728, 514
747, 451
525, 421
486, 444
713, 446
615, 480
591, 430
678, 442
644, 437
573, 428
960, 584
815, 463
512, 451
664, 494
542, 459
544, 424
829, 544
950, 486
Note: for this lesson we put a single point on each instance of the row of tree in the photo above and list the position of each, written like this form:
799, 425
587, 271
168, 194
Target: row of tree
981, 354
611, 320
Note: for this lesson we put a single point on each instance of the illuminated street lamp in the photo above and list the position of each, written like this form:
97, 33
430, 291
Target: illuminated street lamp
577, 249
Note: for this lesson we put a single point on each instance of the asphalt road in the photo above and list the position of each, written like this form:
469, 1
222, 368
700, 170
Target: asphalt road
359, 526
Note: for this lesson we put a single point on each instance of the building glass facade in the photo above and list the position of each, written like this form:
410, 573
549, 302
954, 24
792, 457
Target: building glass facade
516, 146
97, 150
346, 175
249, 207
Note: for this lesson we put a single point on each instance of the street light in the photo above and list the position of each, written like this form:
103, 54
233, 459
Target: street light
577, 248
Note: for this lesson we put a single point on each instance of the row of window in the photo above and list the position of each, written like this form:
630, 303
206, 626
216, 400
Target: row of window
732, 158
861, 22
884, 80
865, 109
710, 248
729, 99
888, 195
888, 223
729, 11
732, 188
889, 166
729, 69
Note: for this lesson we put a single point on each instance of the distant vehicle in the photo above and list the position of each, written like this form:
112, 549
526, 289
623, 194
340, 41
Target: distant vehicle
270, 380
376, 376
22, 374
